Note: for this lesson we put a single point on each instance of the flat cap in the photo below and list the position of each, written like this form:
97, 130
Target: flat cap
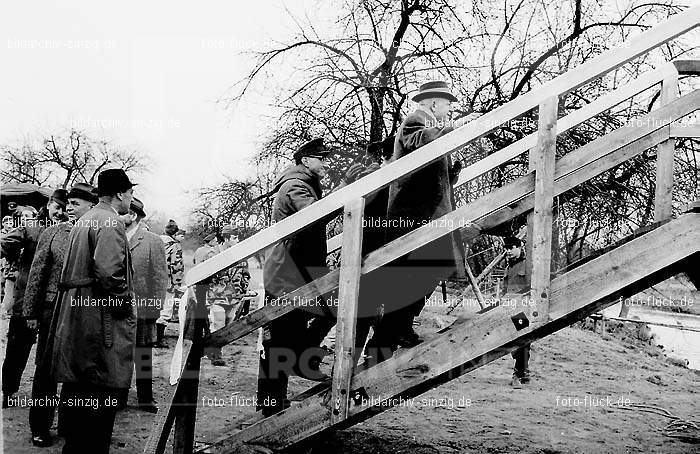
313, 148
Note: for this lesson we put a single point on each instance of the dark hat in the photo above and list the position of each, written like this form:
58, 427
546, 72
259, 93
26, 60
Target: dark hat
60, 196
313, 148
83, 191
209, 237
112, 181
171, 228
137, 206
435, 89
510, 241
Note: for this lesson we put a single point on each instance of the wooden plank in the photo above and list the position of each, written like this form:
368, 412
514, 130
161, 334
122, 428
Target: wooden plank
349, 289
541, 239
160, 431
576, 294
186, 416
685, 131
687, 67
650, 39
663, 195
500, 205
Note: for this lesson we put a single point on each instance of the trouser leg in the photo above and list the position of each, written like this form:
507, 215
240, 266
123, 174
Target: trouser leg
19, 344
522, 358
90, 415
43, 387
143, 362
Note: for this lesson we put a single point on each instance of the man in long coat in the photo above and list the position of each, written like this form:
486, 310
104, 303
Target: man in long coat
292, 263
416, 200
150, 284
40, 299
93, 353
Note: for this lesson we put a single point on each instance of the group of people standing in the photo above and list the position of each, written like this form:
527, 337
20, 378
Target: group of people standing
96, 285
390, 297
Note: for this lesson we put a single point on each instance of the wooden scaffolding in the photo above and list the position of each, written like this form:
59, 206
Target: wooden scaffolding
647, 258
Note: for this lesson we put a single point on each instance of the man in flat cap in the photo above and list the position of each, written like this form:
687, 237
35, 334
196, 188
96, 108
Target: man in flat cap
415, 200
93, 352
40, 298
150, 284
289, 265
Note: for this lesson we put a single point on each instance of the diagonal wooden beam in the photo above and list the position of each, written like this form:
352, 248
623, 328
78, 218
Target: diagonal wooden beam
619, 273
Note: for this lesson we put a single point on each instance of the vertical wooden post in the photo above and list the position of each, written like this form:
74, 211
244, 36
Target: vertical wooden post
663, 197
183, 442
541, 239
348, 292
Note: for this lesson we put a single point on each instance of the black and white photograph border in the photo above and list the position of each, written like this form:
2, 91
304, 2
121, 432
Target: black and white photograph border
350, 226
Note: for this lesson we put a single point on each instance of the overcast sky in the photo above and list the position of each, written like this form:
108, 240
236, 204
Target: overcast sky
145, 75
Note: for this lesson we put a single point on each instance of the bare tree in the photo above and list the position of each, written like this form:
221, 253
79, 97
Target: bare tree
63, 159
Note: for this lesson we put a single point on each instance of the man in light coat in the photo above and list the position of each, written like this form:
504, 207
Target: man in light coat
93, 353
150, 284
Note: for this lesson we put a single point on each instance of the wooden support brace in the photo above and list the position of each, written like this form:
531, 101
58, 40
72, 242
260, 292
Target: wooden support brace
348, 292
186, 402
663, 197
541, 239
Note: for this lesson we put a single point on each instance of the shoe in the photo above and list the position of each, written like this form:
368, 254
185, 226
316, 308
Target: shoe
525, 377
515, 383
409, 339
42, 441
149, 406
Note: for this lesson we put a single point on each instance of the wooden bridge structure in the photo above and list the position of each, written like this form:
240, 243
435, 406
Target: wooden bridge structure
669, 246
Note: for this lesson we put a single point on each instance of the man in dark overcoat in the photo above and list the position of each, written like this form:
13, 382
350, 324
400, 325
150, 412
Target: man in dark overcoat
40, 299
414, 201
150, 285
290, 264
93, 352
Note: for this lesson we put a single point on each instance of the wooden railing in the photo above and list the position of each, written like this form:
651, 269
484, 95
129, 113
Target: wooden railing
604, 63
546, 179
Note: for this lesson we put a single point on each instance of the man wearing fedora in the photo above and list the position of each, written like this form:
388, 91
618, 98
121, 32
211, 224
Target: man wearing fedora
40, 298
93, 352
290, 264
150, 285
415, 200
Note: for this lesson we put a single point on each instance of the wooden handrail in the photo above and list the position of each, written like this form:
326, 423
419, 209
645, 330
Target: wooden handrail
672, 28
572, 169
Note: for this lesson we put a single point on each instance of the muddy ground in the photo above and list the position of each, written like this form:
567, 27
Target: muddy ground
570, 407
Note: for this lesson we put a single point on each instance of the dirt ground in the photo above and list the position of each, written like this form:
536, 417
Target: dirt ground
570, 407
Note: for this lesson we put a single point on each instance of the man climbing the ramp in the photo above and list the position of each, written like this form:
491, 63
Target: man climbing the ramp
291, 343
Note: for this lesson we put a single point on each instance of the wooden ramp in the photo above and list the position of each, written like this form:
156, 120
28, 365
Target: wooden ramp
667, 247
599, 283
